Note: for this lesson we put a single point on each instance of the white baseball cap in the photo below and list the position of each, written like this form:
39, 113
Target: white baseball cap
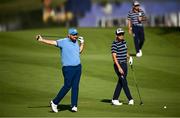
119, 31
136, 3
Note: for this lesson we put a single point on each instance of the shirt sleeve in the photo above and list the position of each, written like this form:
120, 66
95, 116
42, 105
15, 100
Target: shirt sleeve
59, 43
128, 16
114, 48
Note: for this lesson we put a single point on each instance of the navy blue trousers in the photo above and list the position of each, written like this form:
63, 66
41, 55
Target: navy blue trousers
72, 76
138, 32
122, 82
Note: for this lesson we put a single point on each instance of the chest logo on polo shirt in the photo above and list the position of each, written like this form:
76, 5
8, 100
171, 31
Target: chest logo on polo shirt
125, 45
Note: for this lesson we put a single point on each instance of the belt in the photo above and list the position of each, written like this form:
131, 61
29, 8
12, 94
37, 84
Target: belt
121, 62
138, 25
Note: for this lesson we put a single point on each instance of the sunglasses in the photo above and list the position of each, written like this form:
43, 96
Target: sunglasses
74, 34
136, 5
120, 34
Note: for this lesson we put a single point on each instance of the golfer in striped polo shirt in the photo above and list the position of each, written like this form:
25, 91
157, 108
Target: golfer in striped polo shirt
135, 18
120, 56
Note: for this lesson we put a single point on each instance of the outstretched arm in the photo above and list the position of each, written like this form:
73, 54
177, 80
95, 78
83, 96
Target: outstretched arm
46, 41
81, 47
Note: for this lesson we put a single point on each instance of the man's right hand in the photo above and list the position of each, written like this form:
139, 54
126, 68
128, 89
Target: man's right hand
121, 71
130, 31
140, 19
39, 38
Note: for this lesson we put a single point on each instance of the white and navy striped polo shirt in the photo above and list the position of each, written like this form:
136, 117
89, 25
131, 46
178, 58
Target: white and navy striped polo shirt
133, 16
120, 48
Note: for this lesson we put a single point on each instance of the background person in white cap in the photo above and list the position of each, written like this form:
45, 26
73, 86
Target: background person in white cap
120, 57
70, 54
135, 18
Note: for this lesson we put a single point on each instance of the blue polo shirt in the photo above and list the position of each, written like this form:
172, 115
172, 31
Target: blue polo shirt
70, 52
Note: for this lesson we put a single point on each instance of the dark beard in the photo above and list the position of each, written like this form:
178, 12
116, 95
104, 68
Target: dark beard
74, 41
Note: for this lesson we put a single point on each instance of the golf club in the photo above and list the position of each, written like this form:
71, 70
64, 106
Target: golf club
141, 103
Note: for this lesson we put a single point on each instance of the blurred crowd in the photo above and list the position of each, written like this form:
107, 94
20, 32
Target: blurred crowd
68, 11
108, 13
86, 13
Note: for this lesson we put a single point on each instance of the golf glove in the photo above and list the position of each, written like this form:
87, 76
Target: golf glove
81, 39
130, 60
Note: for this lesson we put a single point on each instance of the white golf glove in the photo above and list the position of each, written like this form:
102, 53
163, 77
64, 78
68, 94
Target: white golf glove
130, 60
81, 39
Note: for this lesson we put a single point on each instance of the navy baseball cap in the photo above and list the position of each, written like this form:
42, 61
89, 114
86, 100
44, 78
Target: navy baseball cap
72, 31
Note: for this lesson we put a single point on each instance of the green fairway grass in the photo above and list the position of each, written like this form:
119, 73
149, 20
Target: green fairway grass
30, 75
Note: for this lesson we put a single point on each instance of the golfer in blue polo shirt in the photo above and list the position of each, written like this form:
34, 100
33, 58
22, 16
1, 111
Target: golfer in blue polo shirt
71, 66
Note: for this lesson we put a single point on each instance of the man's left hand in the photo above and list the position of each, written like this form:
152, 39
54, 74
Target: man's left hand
81, 39
130, 60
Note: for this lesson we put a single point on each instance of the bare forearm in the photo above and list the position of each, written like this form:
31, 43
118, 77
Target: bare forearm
128, 55
116, 61
117, 64
46, 41
81, 47
50, 42
129, 25
144, 18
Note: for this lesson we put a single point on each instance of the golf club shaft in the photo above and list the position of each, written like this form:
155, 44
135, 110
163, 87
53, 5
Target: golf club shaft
136, 85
